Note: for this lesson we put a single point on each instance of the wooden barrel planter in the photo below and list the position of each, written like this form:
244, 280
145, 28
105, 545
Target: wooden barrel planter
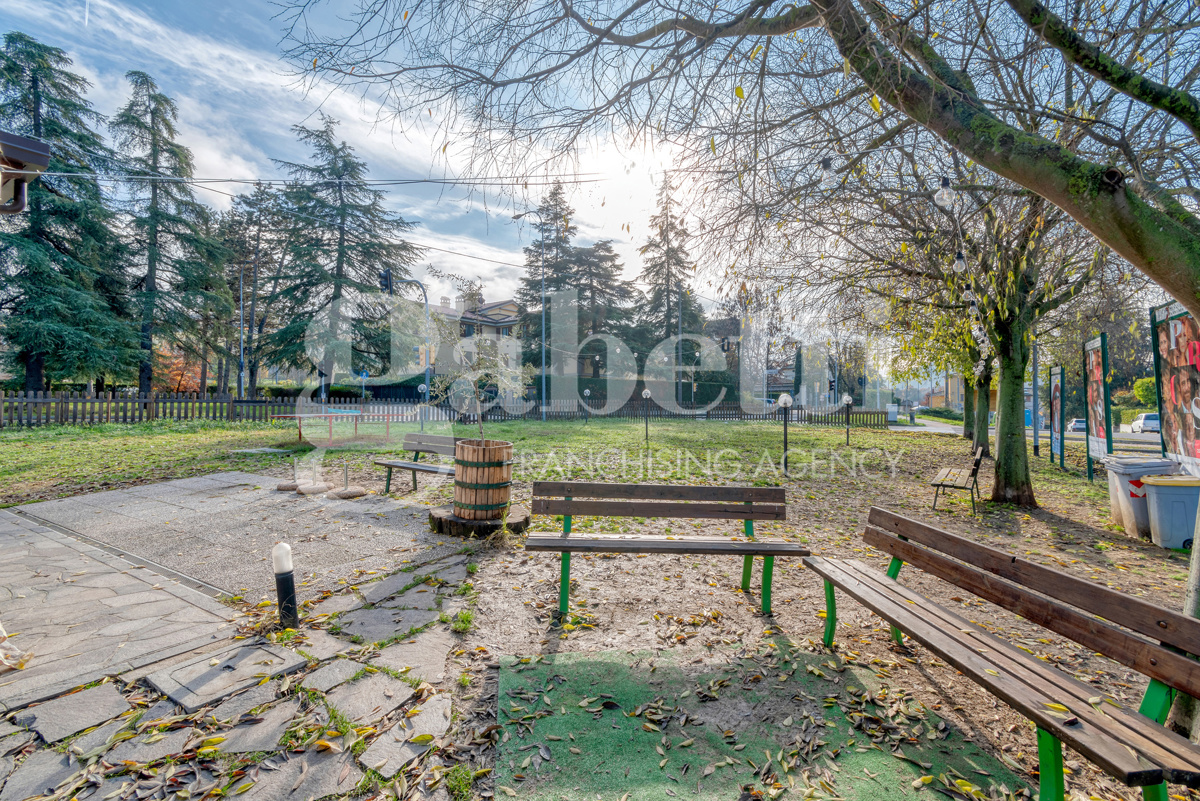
482, 478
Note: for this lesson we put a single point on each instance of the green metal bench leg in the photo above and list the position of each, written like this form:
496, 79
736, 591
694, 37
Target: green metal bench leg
893, 570
830, 614
387, 486
1051, 783
747, 562
768, 570
414, 480
936, 490
1156, 705
564, 581
972, 499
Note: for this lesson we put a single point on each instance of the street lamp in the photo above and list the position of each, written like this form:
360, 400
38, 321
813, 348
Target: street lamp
646, 412
785, 403
848, 399
587, 393
541, 221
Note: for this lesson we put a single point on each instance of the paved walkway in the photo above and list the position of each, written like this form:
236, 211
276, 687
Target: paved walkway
220, 528
86, 614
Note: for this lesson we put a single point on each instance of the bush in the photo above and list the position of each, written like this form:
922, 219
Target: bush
945, 414
1145, 392
1127, 416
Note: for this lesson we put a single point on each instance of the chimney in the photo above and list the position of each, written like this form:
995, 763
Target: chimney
460, 303
445, 301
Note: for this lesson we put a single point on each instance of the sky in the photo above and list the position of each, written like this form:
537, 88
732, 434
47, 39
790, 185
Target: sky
220, 61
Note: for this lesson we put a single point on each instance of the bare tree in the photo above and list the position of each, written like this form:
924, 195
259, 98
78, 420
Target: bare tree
522, 80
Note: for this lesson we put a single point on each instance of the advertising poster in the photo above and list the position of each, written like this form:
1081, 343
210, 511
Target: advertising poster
1176, 338
1099, 421
1057, 424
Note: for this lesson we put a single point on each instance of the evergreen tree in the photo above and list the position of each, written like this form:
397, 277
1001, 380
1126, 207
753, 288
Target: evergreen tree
166, 241
341, 238
665, 270
604, 297
63, 298
553, 256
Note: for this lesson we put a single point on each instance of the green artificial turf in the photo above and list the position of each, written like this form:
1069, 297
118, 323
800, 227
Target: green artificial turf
782, 706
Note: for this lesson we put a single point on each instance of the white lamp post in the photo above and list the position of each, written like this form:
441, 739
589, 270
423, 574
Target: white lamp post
646, 412
587, 393
848, 399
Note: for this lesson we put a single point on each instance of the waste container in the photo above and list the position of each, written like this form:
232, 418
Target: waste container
1172, 502
1126, 495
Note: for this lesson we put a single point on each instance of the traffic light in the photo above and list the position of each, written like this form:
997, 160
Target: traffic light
385, 280
832, 385
725, 344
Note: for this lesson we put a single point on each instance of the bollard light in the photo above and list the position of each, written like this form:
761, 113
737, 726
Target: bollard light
587, 393
785, 403
420, 405
285, 585
848, 399
646, 412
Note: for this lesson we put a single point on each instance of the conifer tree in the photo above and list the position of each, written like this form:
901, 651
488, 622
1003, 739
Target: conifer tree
666, 268
342, 238
63, 297
173, 255
553, 256
604, 297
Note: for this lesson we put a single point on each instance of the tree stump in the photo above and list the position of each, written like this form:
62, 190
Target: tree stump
443, 520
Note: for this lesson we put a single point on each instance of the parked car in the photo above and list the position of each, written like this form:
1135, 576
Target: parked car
1145, 422
1078, 424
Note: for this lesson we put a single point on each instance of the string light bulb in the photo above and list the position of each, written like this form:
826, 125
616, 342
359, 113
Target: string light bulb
945, 195
960, 264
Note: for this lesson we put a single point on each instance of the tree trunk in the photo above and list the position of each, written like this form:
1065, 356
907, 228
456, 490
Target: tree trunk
983, 404
968, 410
35, 371
204, 369
1012, 484
1185, 716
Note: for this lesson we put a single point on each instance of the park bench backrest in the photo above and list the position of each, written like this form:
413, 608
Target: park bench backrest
978, 461
430, 443
658, 500
1026, 589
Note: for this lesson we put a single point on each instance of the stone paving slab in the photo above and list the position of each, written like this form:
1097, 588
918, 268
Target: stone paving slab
200, 682
331, 675
60, 594
150, 747
98, 737
370, 698
381, 623
421, 596
321, 645
325, 774
219, 529
39, 774
423, 658
263, 735
376, 591
394, 748
337, 603
71, 714
233, 708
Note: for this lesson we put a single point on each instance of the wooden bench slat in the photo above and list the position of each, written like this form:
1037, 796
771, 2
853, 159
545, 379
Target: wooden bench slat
635, 544
1178, 757
1085, 736
1142, 616
441, 450
1150, 659
721, 511
420, 467
650, 492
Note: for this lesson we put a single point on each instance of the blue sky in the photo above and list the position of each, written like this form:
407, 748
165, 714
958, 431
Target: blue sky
220, 60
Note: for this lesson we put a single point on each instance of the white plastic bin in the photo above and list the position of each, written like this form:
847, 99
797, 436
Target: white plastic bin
1172, 502
1126, 495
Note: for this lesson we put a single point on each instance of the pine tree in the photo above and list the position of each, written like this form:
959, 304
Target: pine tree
665, 270
63, 297
604, 298
342, 238
175, 258
550, 255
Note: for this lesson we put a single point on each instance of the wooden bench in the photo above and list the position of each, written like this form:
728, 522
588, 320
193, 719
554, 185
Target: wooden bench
1133, 747
418, 444
949, 478
662, 501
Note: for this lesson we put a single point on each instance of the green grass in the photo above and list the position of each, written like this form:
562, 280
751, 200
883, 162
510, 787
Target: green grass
459, 780
463, 621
